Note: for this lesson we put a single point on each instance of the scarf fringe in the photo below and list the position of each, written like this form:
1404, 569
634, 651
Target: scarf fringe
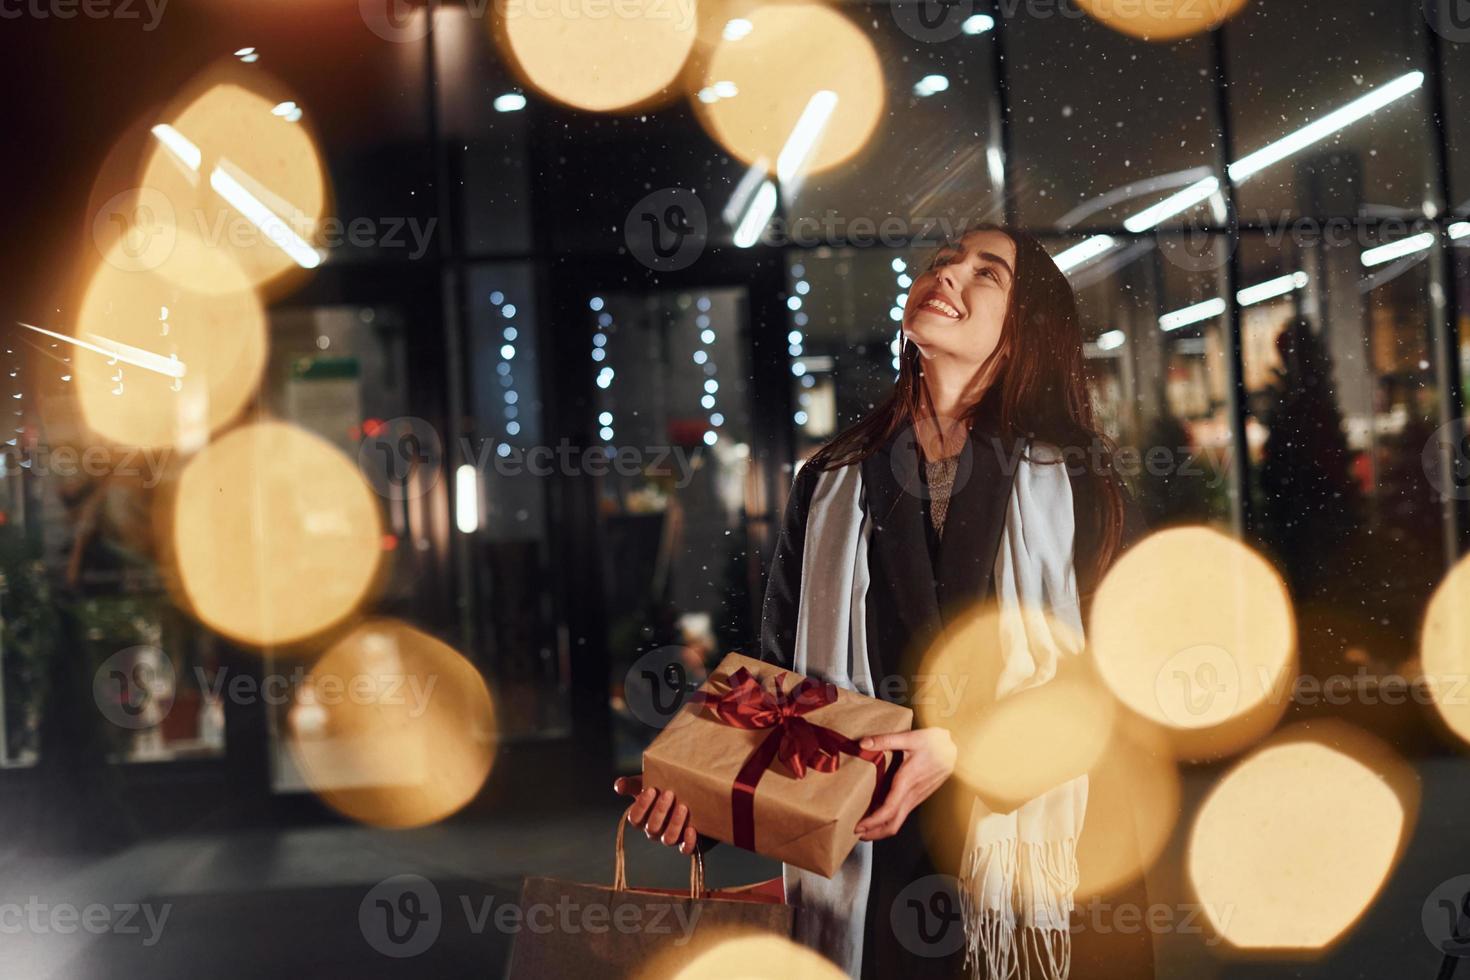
1016, 902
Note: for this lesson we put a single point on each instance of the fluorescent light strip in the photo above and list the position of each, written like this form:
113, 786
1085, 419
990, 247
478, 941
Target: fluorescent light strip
1192, 314
466, 499
1271, 288
170, 367
754, 222
263, 218
804, 135
1173, 204
1459, 230
1082, 252
1254, 163
179, 145
1395, 250
1111, 340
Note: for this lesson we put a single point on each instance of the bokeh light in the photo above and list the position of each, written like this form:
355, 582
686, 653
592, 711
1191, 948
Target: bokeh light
756, 87
1194, 631
1132, 809
593, 55
394, 728
1036, 736
733, 954
1292, 845
1162, 20
1444, 649
236, 166
275, 534
184, 343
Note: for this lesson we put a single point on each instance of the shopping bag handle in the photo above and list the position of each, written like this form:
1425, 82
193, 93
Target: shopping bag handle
620, 873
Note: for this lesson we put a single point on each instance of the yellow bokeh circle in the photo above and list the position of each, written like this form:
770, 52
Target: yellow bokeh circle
275, 534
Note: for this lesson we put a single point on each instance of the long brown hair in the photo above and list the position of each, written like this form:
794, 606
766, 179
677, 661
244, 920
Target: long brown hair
1044, 396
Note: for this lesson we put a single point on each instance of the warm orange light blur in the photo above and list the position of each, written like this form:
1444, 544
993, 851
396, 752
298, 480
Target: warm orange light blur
1194, 631
1015, 747
1294, 843
741, 956
755, 88
1132, 809
594, 55
275, 534
394, 729
1162, 20
236, 166
1444, 649
185, 346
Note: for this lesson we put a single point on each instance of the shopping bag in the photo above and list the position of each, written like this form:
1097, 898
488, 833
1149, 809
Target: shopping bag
571, 930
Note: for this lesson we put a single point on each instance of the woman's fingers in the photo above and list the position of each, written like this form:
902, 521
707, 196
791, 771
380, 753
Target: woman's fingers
638, 812
628, 785
674, 829
690, 841
892, 805
654, 824
892, 742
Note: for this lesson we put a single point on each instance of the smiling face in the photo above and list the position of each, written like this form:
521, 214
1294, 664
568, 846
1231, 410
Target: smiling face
957, 307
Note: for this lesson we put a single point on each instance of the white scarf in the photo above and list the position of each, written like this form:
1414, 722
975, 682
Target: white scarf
1019, 872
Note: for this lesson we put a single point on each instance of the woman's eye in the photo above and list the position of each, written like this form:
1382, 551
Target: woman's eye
988, 271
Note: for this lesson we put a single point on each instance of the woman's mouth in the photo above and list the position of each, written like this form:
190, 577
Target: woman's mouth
936, 305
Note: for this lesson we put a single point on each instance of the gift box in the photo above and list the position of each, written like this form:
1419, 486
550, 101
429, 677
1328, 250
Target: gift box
769, 760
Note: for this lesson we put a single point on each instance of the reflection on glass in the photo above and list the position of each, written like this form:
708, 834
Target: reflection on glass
673, 418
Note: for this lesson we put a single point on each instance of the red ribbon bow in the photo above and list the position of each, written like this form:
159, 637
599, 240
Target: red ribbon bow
797, 742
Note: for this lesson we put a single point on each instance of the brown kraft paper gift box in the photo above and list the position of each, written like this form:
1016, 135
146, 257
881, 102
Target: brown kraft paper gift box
807, 822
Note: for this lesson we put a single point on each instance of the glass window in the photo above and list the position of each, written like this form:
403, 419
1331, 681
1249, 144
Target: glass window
1106, 125
933, 164
673, 417
1342, 384
1365, 65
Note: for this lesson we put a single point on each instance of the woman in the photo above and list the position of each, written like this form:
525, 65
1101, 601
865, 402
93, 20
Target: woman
924, 499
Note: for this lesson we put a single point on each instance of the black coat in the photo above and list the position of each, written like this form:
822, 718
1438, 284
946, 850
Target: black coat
919, 582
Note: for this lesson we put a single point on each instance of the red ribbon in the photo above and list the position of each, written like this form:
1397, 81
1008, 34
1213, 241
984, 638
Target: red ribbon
797, 742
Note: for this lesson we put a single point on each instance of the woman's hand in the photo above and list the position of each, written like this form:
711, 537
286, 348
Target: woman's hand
928, 760
658, 813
